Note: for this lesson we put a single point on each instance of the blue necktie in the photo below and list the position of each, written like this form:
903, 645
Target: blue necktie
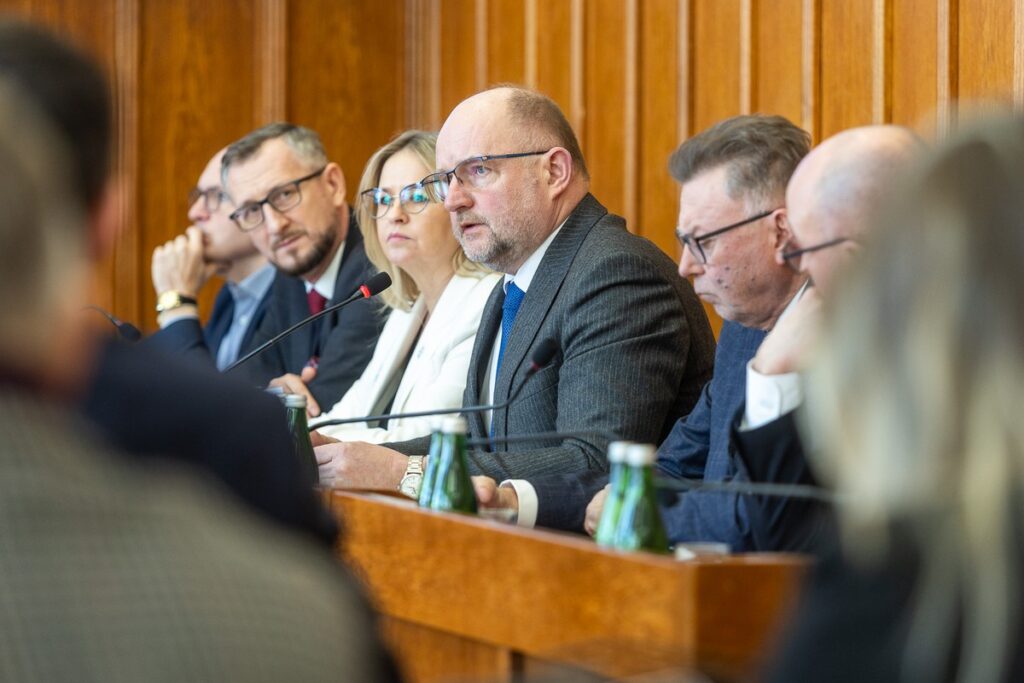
513, 297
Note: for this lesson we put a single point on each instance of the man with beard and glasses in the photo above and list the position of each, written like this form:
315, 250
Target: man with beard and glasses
291, 200
634, 344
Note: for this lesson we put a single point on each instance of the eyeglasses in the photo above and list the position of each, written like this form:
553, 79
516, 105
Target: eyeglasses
413, 198
281, 198
474, 173
694, 243
792, 258
211, 197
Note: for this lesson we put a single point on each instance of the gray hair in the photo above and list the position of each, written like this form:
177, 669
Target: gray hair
42, 226
304, 142
761, 152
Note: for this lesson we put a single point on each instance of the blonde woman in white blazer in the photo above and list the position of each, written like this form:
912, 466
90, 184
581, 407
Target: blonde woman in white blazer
435, 302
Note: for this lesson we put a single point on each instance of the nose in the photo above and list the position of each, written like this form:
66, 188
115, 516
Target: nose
689, 265
397, 214
275, 221
197, 213
457, 197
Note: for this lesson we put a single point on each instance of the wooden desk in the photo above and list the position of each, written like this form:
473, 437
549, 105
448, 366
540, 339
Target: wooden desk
471, 599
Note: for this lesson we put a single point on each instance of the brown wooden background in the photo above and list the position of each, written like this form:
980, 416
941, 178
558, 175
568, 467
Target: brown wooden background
634, 76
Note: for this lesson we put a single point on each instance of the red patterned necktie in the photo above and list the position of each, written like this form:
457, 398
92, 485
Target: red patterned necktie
316, 301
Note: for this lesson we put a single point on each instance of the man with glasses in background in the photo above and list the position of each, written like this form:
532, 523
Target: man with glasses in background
634, 345
290, 199
732, 225
213, 245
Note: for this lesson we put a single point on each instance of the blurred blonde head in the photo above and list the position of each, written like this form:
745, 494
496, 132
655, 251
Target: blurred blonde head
403, 291
43, 237
916, 396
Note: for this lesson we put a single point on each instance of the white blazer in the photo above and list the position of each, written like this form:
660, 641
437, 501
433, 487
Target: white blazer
435, 376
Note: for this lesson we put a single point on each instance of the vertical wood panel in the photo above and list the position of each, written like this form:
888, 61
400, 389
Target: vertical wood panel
915, 62
606, 85
846, 65
777, 85
185, 112
715, 84
659, 109
459, 53
553, 52
345, 76
506, 41
986, 49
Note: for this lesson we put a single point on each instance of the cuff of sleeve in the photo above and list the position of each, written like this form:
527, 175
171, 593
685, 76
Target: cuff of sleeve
185, 312
770, 397
527, 501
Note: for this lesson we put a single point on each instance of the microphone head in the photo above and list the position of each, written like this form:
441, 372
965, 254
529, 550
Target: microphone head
543, 353
375, 285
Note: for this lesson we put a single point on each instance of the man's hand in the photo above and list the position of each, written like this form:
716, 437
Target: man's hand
178, 265
357, 464
594, 509
490, 495
319, 439
786, 347
296, 384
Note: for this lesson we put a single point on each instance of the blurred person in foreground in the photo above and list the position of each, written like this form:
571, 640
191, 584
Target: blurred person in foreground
212, 245
433, 305
146, 403
111, 571
914, 401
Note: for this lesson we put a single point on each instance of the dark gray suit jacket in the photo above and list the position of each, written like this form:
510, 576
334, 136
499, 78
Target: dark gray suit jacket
635, 348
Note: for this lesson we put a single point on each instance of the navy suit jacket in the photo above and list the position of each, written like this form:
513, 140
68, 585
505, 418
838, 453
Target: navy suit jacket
202, 342
343, 340
697, 447
151, 404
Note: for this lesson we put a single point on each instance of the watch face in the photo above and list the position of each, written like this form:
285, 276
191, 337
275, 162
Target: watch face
410, 485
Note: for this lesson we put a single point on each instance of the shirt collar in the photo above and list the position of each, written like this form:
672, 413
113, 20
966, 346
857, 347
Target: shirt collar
524, 276
325, 285
255, 285
792, 302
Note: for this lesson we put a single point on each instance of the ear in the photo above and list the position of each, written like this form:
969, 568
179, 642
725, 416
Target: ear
559, 170
105, 219
335, 179
781, 234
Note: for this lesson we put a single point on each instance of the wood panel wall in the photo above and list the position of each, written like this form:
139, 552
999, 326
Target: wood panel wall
635, 77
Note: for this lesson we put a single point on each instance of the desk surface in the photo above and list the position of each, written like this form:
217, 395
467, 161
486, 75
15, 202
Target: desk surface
472, 599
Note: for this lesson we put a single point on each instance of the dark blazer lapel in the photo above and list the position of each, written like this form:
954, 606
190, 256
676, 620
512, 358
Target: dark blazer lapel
249, 338
352, 270
220, 320
543, 289
479, 363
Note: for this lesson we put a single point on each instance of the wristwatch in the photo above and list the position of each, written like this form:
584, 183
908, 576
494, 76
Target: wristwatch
413, 478
172, 299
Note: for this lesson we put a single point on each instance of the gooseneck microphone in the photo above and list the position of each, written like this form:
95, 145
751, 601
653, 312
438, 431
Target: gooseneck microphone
127, 331
372, 287
541, 356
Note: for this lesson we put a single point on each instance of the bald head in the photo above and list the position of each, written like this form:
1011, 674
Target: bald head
505, 206
837, 187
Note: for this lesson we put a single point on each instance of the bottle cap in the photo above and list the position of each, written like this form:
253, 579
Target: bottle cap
454, 425
617, 451
294, 401
641, 454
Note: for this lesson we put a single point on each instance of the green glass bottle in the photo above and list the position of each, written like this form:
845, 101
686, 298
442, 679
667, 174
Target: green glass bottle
639, 526
605, 535
433, 456
453, 489
295, 406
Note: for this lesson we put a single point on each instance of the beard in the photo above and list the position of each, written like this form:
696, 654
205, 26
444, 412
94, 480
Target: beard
500, 243
312, 259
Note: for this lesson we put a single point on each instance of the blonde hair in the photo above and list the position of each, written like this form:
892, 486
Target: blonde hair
403, 291
916, 397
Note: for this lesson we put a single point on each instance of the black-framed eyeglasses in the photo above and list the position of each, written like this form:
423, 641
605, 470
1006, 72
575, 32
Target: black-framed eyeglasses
694, 243
474, 173
282, 198
792, 257
211, 197
413, 199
